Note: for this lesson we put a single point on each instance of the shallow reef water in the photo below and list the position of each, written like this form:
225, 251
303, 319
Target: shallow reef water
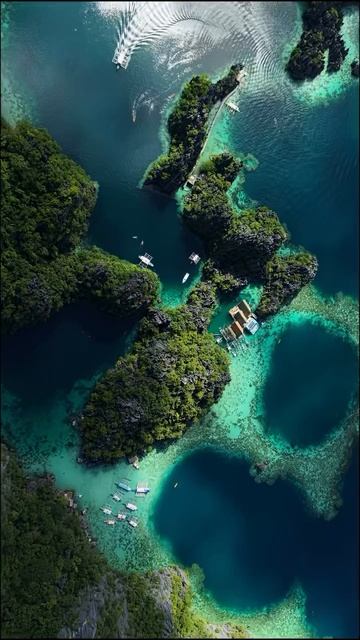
300, 143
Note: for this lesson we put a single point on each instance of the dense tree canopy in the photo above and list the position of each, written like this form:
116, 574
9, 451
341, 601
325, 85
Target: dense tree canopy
321, 31
46, 201
46, 559
242, 246
173, 374
187, 129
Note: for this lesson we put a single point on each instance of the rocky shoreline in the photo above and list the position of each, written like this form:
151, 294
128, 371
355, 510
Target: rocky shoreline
187, 127
172, 375
322, 22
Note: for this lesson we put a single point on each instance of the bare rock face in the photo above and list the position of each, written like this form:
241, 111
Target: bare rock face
89, 611
93, 602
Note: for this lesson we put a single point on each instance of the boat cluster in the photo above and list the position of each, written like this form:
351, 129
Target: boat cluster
146, 260
141, 490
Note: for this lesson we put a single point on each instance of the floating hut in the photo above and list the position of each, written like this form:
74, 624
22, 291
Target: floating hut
243, 316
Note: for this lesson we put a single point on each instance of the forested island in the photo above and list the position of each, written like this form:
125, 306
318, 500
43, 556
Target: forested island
46, 201
187, 129
55, 583
322, 23
173, 374
242, 246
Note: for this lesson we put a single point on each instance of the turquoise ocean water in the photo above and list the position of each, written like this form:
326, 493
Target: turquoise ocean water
57, 70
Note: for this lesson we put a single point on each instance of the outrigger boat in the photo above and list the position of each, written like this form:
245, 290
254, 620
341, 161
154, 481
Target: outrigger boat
185, 277
133, 523
146, 260
121, 516
115, 496
123, 485
195, 258
131, 507
111, 522
106, 510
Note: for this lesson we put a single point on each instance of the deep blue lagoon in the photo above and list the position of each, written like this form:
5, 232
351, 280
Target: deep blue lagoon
312, 379
253, 541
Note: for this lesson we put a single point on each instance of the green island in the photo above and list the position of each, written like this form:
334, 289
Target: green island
242, 246
175, 370
187, 128
46, 201
322, 23
55, 583
173, 374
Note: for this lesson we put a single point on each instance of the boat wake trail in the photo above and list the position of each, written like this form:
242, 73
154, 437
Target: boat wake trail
141, 24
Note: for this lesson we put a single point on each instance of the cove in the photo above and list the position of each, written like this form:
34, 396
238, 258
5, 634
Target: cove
312, 377
253, 541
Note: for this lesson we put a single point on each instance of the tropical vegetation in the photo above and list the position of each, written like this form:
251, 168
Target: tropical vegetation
322, 23
187, 128
55, 583
46, 201
174, 372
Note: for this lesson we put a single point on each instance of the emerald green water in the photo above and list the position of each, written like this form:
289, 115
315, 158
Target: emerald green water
305, 141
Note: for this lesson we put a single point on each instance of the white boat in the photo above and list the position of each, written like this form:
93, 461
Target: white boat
120, 58
133, 523
175, 485
146, 259
123, 485
115, 496
134, 237
232, 106
106, 510
185, 277
131, 507
112, 522
121, 516
195, 258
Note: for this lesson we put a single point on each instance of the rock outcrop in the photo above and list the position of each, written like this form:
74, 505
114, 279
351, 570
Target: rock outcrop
285, 276
322, 23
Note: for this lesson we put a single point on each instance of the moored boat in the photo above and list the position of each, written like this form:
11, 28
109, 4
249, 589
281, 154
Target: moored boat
123, 485
130, 506
106, 510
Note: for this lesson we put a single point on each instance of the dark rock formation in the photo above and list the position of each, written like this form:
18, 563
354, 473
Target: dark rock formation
321, 31
187, 129
355, 68
285, 276
173, 374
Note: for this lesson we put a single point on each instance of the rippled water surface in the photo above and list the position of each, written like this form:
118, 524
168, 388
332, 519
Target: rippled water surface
57, 70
